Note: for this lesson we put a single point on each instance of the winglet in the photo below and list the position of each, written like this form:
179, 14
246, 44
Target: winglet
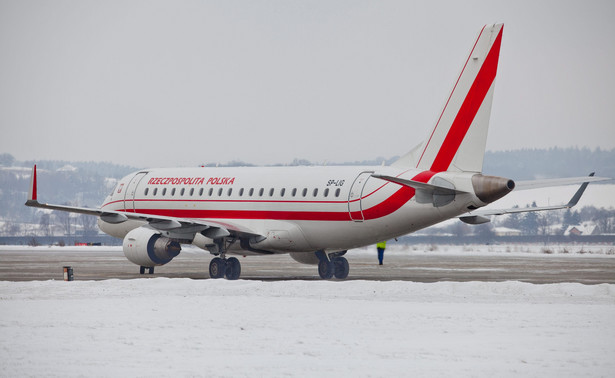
32, 195
577, 196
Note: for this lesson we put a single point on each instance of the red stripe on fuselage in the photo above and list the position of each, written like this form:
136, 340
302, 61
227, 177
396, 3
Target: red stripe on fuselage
386, 207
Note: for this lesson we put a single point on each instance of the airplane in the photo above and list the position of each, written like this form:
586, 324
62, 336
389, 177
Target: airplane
317, 214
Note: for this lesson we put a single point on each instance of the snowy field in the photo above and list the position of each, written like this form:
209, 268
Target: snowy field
211, 328
393, 249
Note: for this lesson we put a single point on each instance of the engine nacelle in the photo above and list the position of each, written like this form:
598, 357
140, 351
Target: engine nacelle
305, 257
146, 247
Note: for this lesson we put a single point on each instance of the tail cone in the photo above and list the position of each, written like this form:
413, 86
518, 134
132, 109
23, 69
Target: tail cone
491, 188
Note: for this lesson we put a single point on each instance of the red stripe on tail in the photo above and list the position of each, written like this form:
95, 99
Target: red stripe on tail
34, 184
469, 108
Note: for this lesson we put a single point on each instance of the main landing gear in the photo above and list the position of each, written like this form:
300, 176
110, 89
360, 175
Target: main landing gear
142, 270
335, 266
220, 266
223, 267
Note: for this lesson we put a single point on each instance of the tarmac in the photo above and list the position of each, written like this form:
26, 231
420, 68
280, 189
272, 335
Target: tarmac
101, 264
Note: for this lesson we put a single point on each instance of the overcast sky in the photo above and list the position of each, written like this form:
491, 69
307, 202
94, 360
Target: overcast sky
152, 83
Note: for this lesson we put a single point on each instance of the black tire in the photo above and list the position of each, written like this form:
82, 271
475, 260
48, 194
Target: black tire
217, 268
325, 269
233, 268
341, 267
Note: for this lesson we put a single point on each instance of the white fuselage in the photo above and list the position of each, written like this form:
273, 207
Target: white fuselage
297, 209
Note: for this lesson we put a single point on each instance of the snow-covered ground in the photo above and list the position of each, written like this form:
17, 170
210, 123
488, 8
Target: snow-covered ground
183, 327
520, 249
393, 248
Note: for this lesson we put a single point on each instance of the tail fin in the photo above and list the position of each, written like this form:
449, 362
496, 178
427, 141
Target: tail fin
457, 141
32, 193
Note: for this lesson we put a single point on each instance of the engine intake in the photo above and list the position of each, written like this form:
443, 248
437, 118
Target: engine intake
146, 247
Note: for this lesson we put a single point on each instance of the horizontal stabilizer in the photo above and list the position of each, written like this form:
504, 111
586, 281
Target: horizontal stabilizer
430, 188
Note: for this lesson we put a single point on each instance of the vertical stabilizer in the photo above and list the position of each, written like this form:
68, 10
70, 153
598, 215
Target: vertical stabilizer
457, 141
32, 193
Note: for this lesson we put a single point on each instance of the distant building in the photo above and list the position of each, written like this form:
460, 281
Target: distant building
582, 229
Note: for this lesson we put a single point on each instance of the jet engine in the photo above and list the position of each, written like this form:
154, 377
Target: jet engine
147, 248
305, 257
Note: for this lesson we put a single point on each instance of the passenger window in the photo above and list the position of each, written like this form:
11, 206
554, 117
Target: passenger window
173, 192
211, 191
164, 191
260, 192
251, 193
155, 191
229, 191
181, 193
220, 192
271, 192
337, 192
282, 191
326, 193
191, 192
294, 192
146, 190
241, 192
304, 192
201, 192
315, 192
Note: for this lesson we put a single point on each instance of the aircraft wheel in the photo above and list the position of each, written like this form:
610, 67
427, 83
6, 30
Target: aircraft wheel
233, 268
341, 267
325, 269
217, 268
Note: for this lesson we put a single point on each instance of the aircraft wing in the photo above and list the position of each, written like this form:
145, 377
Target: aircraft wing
480, 216
535, 184
210, 229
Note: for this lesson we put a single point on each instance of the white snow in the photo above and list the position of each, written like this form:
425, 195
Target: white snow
183, 327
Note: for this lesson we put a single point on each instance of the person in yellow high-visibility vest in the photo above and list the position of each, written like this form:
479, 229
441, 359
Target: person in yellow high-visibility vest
381, 246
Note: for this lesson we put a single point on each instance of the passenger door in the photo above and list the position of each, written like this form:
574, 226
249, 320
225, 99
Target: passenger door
355, 208
131, 191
